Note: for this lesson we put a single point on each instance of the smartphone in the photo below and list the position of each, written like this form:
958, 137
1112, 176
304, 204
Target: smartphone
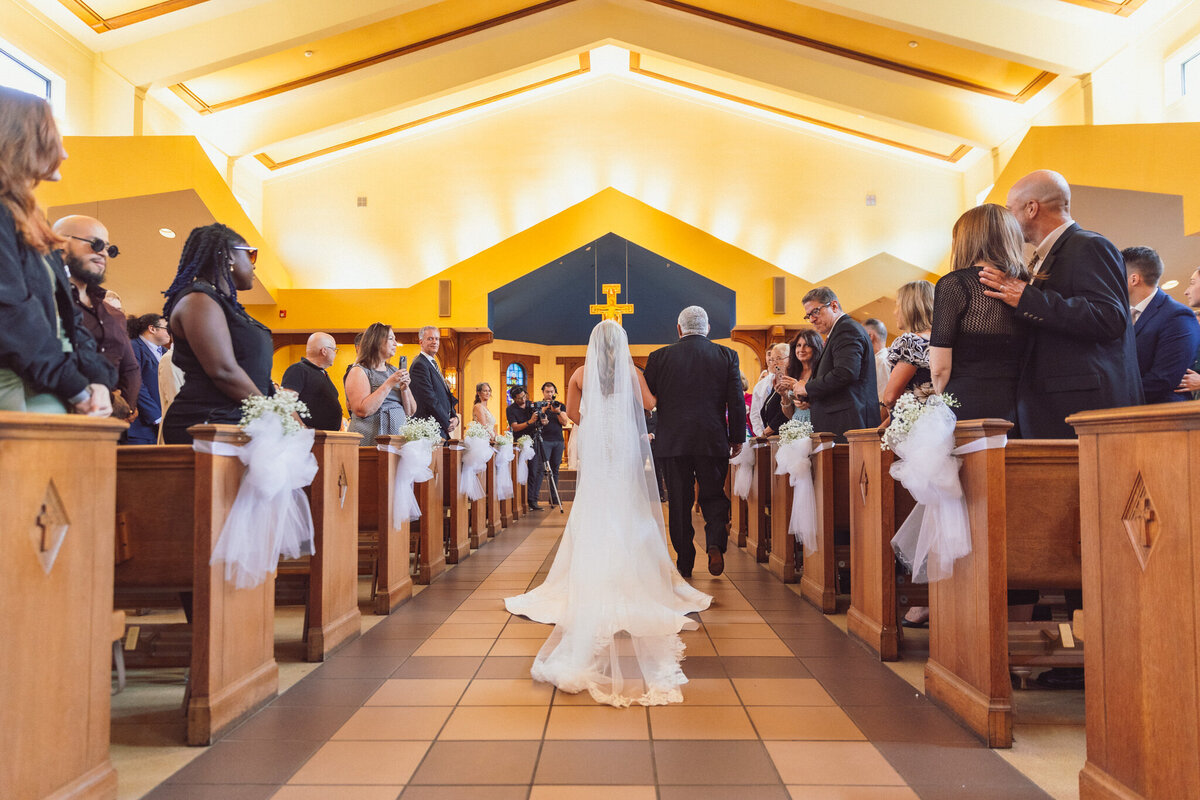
403, 362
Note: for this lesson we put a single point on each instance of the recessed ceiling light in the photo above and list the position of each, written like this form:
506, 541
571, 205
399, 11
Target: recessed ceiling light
308, 53
913, 43
1169, 285
166, 233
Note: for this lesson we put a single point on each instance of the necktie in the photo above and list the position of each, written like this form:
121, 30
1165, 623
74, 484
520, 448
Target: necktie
1136, 313
1034, 263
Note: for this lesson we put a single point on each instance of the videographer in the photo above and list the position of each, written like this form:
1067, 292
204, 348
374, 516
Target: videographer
553, 415
524, 421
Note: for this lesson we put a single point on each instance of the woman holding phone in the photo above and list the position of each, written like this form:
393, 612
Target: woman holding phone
378, 393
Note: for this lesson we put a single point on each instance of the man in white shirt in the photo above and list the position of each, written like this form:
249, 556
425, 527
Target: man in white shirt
777, 358
877, 332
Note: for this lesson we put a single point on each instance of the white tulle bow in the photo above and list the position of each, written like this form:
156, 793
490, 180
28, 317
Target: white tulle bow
523, 459
415, 459
477, 451
270, 516
794, 459
503, 479
743, 472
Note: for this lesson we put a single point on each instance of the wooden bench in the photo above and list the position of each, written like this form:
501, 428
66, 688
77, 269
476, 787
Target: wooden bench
1139, 480
408, 553
758, 502
457, 533
737, 511
495, 520
781, 561
831, 468
1023, 506
58, 474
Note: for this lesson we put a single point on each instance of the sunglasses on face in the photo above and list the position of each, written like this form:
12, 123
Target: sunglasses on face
251, 252
816, 312
100, 246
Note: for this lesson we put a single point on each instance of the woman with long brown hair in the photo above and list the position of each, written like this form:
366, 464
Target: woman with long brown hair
806, 350
48, 360
378, 393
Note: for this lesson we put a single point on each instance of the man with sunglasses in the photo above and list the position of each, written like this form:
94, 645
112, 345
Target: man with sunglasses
86, 251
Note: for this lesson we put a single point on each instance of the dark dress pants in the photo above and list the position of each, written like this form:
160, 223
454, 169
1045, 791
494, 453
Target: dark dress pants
534, 486
552, 452
684, 474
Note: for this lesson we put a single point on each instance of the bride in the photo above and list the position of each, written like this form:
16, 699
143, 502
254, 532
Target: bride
613, 580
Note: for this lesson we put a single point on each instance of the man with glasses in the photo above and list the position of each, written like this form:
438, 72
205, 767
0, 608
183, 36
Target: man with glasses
86, 251
841, 393
308, 378
150, 339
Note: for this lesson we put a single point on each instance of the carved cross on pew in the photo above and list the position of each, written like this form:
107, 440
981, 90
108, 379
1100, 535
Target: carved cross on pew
612, 309
1145, 523
45, 521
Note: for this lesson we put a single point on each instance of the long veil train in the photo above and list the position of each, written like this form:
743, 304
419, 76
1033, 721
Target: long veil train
612, 573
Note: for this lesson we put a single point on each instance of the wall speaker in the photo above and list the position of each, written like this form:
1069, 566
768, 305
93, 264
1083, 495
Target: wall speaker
443, 298
779, 295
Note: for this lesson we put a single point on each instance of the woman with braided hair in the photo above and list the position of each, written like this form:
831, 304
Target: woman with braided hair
225, 354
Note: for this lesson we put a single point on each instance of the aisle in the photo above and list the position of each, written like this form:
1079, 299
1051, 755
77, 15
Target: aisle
436, 702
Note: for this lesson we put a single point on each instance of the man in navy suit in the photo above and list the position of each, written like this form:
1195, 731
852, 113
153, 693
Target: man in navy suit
1189, 387
429, 388
1081, 352
1166, 331
149, 337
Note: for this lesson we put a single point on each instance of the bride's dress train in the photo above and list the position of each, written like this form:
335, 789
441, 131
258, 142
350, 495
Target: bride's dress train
612, 574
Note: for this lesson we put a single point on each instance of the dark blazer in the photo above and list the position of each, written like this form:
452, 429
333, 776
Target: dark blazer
842, 390
1167, 336
431, 393
149, 406
1081, 352
29, 344
701, 408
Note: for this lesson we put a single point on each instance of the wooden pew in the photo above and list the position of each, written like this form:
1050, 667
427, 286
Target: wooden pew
831, 469
59, 476
758, 514
495, 520
737, 511
1023, 506
782, 558
878, 506
1139, 480
430, 535
512, 506
457, 535
387, 543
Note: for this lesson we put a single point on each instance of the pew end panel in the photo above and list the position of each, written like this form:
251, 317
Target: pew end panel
781, 560
393, 573
818, 579
430, 541
457, 531
494, 521
758, 503
56, 586
155, 524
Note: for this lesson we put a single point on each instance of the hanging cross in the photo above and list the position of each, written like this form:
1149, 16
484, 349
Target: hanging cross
612, 309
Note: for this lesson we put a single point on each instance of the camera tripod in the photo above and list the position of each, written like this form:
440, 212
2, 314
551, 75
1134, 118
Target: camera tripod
536, 436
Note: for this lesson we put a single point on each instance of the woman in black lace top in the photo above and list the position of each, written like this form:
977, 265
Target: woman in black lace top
977, 343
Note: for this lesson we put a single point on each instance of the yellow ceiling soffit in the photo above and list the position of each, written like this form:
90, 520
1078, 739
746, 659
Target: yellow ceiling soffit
101, 24
1122, 8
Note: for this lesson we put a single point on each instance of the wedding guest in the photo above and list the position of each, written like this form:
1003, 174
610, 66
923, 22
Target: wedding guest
310, 381
1190, 385
225, 354
149, 337
977, 342
48, 360
777, 356
841, 394
379, 394
748, 396
806, 350
480, 411
1165, 330
908, 356
429, 385
878, 333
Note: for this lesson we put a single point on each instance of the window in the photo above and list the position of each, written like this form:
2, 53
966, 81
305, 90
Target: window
1189, 76
514, 375
17, 73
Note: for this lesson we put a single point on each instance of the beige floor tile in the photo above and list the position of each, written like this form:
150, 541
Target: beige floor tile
593, 793
480, 630
750, 647
473, 616
389, 763
454, 647
598, 722
324, 792
508, 723
490, 593
709, 692
516, 692
632, 688
782, 692
700, 722
521, 629
516, 647
832, 763
481, 604
745, 630
419, 692
852, 793
719, 616
699, 646
420, 723
828, 723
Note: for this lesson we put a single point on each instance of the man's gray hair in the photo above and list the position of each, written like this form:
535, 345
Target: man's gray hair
878, 327
821, 294
693, 319
783, 349
421, 333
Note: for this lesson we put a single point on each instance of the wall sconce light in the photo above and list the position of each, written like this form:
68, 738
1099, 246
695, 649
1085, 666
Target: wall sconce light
452, 379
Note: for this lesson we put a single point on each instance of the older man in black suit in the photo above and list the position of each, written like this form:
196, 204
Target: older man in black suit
841, 392
429, 388
1082, 352
701, 424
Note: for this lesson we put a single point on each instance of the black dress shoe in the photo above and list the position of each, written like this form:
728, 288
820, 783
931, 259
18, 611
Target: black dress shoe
716, 561
1061, 678
536, 508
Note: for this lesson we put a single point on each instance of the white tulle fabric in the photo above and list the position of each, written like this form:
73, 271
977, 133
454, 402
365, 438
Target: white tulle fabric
523, 459
413, 467
477, 451
270, 516
743, 470
794, 459
503, 477
937, 532
613, 585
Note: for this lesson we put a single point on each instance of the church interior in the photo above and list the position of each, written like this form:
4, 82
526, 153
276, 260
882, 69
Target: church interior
487, 167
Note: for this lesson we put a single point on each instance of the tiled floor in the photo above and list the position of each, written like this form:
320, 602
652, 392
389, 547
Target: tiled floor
436, 702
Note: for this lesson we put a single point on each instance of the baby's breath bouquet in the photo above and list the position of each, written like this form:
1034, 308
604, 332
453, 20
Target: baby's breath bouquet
419, 428
503, 439
477, 451
525, 441
524, 455
476, 431
907, 411
282, 404
794, 430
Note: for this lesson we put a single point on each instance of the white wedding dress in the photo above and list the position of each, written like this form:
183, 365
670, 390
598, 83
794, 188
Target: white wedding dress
612, 580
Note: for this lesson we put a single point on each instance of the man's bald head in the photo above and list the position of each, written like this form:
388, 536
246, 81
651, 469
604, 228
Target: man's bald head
79, 225
1041, 202
321, 349
83, 262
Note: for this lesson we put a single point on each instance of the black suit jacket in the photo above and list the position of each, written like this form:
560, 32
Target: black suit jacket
431, 393
1167, 337
1082, 354
701, 408
842, 390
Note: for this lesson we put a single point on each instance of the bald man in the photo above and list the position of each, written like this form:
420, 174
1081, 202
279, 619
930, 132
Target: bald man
86, 252
307, 378
1082, 353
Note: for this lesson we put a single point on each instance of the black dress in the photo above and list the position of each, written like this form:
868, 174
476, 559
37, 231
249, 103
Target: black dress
200, 401
772, 412
988, 342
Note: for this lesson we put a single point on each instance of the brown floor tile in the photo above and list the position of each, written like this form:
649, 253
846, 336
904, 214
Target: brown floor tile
359, 792
482, 604
277, 722
349, 667
722, 793
763, 667
246, 761
345, 692
957, 770
397, 723
468, 630
746, 630
700, 722
516, 647
187, 791
588, 763
478, 616
832, 763
632, 688
505, 667
782, 692
828, 723
597, 722
454, 647
482, 763
523, 629
910, 723
710, 692
729, 616
852, 793
713, 763
495, 723
419, 692
379, 647
751, 647
698, 666
593, 793
439, 666
507, 692
862, 683
699, 646
368, 763
466, 793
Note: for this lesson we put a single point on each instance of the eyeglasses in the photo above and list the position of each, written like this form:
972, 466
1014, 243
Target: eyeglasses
159, 327
816, 312
99, 246
251, 252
